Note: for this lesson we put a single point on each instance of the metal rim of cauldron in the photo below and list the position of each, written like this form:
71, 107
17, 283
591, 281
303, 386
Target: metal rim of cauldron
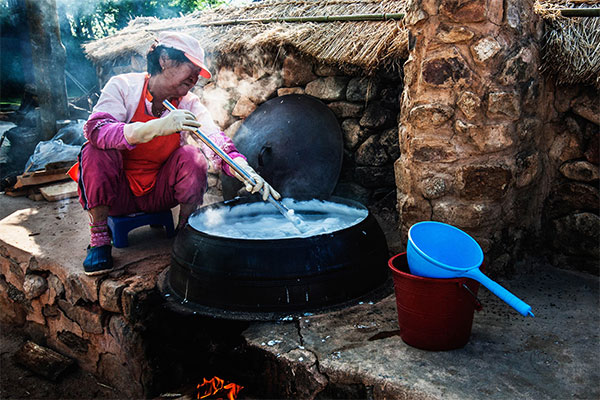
177, 301
254, 199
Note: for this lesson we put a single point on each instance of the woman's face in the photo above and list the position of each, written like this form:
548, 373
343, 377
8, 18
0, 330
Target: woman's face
178, 78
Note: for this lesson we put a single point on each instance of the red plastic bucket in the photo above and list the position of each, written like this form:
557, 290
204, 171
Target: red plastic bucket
433, 314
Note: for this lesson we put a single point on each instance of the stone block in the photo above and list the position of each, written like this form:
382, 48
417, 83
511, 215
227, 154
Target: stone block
88, 316
330, 88
572, 197
582, 171
233, 128
109, 296
371, 153
513, 13
243, 107
466, 215
362, 89
578, 234
376, 116
566, 146
81, 287
484, 181
353, 133
34, 286
322, 69
297, 71
12, 313
528, 167
588, 108
592, 152
292, 90
403, 176
563, 95
504, 104
51, 311
410, 71
413, 17
519, 68
389, 140
433, 151
13, 271
264, 89
35, 313
495, 12
434, 187
411, 210
470, 104
485, 49
453, 34
346, 109
464, 10
445, 71
488, 138
56, 288
427, 116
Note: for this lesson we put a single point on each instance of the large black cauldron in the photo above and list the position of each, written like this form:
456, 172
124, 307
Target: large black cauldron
270, 279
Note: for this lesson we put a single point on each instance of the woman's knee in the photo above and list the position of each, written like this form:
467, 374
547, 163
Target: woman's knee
191, 159
103, 162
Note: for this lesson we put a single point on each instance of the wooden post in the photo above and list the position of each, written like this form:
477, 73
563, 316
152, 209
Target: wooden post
48, 56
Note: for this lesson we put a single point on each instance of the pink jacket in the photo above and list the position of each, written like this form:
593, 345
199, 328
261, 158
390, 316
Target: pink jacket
117, 104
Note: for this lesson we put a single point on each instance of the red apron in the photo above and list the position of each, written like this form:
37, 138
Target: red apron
142, 163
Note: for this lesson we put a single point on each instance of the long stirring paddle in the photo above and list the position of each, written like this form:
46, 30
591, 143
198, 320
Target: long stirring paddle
286, 212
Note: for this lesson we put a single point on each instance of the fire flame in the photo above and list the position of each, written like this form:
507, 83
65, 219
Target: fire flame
216, 386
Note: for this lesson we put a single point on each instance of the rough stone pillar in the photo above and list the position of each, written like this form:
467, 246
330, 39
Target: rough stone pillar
468, 125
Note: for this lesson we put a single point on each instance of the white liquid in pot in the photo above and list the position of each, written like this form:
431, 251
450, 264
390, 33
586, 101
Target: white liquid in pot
262, 221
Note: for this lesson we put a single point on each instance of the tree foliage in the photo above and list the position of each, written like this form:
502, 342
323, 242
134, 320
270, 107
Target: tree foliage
93, 19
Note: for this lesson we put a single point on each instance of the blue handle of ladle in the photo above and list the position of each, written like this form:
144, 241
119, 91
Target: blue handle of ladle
510, 299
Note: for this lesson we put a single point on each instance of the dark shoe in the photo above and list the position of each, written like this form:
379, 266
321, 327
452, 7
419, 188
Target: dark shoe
98, 261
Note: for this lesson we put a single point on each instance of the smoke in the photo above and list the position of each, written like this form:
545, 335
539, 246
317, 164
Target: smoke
242, 81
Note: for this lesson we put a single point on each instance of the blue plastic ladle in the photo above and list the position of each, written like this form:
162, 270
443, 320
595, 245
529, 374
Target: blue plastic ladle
438, 250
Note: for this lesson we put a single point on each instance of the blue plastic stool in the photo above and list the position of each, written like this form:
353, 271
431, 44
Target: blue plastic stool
120, 226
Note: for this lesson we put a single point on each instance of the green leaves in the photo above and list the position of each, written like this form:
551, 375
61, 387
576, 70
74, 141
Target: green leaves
94, 19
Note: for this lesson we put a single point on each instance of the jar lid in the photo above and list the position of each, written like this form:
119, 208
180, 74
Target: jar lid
295, 143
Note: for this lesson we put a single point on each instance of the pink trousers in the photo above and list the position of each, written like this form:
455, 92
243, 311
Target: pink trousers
102, 181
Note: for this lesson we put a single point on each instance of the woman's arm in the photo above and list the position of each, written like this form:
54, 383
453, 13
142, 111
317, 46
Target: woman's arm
106, 132
210, 129
104, 128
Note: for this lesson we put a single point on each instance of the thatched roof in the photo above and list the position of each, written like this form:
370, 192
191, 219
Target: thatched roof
572, 44
366, 44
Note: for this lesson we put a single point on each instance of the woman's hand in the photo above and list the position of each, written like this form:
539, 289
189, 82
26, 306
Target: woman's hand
176, 121
260, 182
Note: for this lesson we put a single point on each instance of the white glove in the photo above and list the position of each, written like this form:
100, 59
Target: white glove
143, 132
260, 182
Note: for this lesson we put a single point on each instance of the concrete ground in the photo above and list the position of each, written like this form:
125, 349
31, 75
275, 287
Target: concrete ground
555, 355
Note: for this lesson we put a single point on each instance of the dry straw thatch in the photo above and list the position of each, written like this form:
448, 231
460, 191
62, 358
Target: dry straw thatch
366, 44
572, 45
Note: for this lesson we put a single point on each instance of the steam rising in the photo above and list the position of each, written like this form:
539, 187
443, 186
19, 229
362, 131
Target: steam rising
262, 221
